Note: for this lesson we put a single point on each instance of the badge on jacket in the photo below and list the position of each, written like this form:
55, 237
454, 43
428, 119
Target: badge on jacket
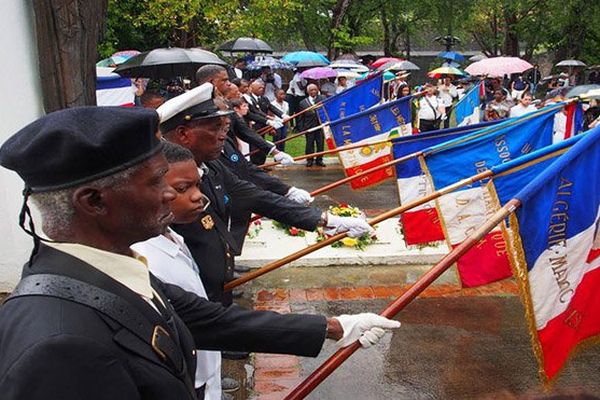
234, 158
207, 222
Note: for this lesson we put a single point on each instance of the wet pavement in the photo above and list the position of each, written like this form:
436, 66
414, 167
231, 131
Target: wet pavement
454, 343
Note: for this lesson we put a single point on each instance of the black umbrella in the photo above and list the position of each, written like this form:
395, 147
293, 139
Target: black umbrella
167, 63
245, 45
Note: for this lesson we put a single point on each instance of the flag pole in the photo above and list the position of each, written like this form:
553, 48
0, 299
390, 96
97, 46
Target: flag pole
291, 117
294, 136
333, 362
347, 179
381, 217
331, 151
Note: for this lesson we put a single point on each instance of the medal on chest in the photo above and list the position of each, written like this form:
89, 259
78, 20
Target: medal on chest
207, 222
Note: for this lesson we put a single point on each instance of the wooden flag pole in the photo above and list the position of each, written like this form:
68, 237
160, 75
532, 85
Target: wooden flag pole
382, 217
347, 179
294, 136
332, 151
325, 369
265, 129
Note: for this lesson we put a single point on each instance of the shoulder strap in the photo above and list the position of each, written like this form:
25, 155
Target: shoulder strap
431, 106
112, 306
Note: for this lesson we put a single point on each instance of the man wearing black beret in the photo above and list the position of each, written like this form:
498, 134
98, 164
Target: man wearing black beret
87, 320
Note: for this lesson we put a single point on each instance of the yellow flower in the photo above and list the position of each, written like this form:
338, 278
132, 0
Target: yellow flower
349, 242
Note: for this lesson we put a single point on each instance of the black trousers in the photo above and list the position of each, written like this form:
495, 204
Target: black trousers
314, 138
428, 125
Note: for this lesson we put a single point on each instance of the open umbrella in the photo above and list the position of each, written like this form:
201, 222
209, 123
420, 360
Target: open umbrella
498, 66
477, 57
112, 61
319, 73
126, 53
404, 66
571, 63
582, 89
269, 62
387, 76
167, 63
592, 94
350, 65
384, 60
452, 56
246, 45
346, 73
306, 58
444, 71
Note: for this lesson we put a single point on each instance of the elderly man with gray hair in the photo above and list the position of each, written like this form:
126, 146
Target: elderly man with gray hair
308, 120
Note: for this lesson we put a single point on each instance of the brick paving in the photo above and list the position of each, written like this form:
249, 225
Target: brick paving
276, 375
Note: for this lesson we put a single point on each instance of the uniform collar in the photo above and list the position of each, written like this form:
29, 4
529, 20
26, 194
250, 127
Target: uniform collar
131, 272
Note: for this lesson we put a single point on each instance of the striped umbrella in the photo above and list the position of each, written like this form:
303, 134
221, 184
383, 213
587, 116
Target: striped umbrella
444, 71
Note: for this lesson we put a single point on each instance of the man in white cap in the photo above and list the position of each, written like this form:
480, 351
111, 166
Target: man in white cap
195, 122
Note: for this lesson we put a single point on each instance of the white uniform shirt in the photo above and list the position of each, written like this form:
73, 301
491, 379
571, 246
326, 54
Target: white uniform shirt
519, 110
294, 88
426, 111
171, 262
284, 107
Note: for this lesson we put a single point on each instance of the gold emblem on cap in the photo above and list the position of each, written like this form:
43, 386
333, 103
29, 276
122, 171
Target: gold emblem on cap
187, 117
207, 222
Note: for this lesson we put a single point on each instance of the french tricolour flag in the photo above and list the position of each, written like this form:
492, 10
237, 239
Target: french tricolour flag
375, 124
464, 210
557, 241
422, 224
112, 90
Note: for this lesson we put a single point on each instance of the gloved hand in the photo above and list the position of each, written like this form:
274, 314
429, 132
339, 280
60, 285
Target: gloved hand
285, 117
356, 227
300, 196
274, 123
367, 328
283, 158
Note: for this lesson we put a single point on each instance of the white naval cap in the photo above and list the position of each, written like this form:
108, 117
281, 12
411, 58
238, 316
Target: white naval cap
192, 105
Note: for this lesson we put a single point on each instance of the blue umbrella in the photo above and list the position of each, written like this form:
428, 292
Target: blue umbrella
451, 55
305, 56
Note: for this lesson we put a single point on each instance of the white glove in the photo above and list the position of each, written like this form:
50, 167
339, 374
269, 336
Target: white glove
367, 328
274, 123
284, 158
356, 227
299, 196
285, 117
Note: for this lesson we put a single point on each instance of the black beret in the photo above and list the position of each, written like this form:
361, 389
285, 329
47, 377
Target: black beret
78, 145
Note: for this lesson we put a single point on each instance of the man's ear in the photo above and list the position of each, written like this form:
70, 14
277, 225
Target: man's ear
181, 135
90, 201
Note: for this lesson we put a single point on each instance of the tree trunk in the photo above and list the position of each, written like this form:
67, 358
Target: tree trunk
387, 37
68, 32
339, 12
511, 39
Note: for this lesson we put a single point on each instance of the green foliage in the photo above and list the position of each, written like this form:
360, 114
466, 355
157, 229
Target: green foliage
566, 27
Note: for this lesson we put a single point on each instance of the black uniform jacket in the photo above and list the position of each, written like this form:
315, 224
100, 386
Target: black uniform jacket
258, 110
308, 119
247, 171
52, 348
225, 190
240, 129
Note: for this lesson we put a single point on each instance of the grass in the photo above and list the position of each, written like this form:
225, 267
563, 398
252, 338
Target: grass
295, 147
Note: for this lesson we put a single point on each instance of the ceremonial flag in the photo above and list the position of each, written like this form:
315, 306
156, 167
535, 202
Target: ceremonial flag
373, 125
421, 224
467, 111
569, 122
467, 208
112, 90
556, 239
358, 98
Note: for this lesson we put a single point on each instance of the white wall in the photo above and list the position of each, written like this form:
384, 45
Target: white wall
20, 104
